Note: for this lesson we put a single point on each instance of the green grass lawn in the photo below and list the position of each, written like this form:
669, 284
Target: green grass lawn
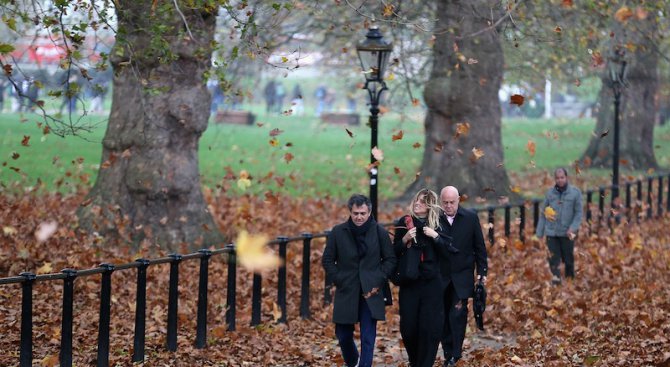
325, 159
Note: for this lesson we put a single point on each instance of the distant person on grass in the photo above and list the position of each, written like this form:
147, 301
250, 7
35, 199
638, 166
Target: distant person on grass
359, 259
560, 218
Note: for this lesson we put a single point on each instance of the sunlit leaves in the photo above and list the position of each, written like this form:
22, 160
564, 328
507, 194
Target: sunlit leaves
253, 252
462, 129
46, 268
244, 181
477, 153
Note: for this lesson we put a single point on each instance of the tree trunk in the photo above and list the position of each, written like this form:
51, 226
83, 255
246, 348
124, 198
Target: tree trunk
148, 187
637, 109
463, 89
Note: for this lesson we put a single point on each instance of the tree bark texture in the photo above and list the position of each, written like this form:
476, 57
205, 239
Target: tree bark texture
637, 111
148, 187
462, 91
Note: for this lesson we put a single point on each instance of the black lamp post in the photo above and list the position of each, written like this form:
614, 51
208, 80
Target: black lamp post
617, 73
373, 53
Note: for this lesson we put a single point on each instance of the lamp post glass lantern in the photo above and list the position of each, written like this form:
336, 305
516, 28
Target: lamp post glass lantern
373, 53
617, 73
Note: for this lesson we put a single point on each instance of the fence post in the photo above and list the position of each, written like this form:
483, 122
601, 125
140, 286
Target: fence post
140, 310
628, 200
66, 326
173, 303
26, 354
536, 214
281, 281
306, 263
650, 183
328, 287
105, 306
659, 210
508, 219
201, 327
639, 200
667, 200
231, 288
491, 211
256, 300
522, 222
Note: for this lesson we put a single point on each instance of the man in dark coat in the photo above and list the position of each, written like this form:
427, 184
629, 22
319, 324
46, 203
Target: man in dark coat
359, 258
457, 268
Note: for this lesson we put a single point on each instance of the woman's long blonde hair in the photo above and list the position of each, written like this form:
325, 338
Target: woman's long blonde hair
430, 198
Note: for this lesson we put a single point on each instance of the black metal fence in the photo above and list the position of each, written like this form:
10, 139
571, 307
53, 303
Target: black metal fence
633, 208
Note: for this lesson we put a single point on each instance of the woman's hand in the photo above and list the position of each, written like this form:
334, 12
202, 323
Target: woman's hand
430, 232
409, 236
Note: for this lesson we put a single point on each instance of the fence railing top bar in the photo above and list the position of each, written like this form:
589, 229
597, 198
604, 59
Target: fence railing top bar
12, 280
93, 271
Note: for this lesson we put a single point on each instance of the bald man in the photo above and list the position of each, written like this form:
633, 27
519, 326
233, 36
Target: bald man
457, 265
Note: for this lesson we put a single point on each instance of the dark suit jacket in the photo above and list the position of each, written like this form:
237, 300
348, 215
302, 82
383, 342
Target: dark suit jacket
354, 276
466, 236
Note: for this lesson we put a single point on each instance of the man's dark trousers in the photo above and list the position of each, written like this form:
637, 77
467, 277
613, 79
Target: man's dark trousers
561, 249
455, 322
345, 336
421, 320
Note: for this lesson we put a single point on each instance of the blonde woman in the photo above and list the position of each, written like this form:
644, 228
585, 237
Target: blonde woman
418, 275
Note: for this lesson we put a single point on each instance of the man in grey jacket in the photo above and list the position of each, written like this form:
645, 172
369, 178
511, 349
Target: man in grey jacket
560, 218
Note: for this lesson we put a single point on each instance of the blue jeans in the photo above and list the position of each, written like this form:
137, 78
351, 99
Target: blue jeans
345, 335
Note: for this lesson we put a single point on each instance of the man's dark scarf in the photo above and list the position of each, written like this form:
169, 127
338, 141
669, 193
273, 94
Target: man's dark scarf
359, 233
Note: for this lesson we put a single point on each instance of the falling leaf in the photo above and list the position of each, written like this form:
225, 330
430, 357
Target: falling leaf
415, 102
387, 11
416, 145
623, 14
25, 141
472, 61
516, 189
558, 29
604, 133
276, 312
45, 230
260, 124
566, 3
9, 231
284, 59
641, 13
253, 253
438, 147
530, 146
578, 82
275, 132
597, 59
15, 155
477, 153
517, 99
396, 170
462, 128
274, 142
288, 157
383, 109
390, 77
378, 154
351, 135
549, 213
45, 269
397, 136
244, 182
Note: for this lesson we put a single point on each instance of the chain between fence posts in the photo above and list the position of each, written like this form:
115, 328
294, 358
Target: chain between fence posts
304, 286
201, 327
231, 290
26, 353
66, 326
140, 310
173, 303
281, 281
105, 308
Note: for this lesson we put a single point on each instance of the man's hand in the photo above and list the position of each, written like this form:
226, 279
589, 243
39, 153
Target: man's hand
482, 279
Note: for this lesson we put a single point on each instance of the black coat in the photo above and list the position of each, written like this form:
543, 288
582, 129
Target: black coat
354, 276
467, 237
429, 268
